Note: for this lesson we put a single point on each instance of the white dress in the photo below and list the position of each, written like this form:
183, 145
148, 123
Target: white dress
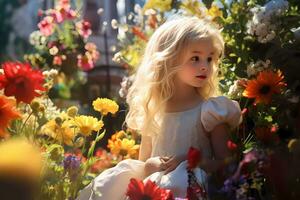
180, 131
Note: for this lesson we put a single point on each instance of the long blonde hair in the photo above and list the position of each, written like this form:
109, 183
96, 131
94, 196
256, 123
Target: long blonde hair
154, 80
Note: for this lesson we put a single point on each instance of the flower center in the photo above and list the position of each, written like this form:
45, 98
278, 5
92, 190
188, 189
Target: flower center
146, 197
123, 152
265, 89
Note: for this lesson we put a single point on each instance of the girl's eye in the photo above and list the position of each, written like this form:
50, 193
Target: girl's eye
195, 58
209, 59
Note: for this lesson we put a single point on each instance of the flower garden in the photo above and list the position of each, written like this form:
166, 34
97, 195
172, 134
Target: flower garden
48, 152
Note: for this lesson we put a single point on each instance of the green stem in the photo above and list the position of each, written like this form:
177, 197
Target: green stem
23, 125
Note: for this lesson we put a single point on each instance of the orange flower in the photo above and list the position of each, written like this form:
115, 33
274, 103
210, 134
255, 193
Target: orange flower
266, 84
7, 114
152, 21
136, 31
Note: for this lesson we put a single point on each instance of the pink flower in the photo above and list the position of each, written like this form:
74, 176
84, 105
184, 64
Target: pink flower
90, 46
92, 49
46, 26
64, 4
85, 62
61, 13
84, 28
40, 12
57, 60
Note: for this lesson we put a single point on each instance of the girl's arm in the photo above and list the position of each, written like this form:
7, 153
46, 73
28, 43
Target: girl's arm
145, 148
154, 164
219, 137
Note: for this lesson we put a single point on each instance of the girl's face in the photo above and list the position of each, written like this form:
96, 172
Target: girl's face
197, 62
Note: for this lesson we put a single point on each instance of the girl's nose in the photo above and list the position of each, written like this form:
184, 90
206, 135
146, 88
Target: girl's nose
203, 66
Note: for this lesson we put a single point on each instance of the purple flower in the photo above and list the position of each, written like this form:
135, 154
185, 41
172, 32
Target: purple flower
71, 165
71, 162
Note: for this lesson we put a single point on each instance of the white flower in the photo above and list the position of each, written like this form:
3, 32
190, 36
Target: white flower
37, 39
114, 24
264, 22
254, 68
235, 90
100, 11
53, 51
117, 57
137, 8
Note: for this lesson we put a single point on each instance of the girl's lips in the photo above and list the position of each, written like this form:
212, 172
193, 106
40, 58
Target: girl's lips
201, 77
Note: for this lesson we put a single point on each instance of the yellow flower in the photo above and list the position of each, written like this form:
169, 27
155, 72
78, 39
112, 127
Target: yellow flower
215, 11
125, 147
87, 124
194, 7
118, 135
62, 133
18, 157
162, 5
105, 106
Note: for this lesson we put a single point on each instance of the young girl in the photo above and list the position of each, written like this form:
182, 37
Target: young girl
173, 104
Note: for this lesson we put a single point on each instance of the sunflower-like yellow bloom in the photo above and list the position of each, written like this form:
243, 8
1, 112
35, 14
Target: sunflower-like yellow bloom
105, 106
60, 132
14, 159
87, 124
215, 11
161, 5
125, 147
118, 135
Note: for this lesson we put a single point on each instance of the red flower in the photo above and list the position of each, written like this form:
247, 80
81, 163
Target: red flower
7, 114
231, 145
264, 86
137, 190
194, 157
21, 81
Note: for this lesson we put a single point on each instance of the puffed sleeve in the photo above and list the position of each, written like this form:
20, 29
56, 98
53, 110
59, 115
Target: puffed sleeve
217, 110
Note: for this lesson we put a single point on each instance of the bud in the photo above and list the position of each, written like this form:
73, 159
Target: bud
72, 111
58, 121
35, 106
42, 108
79, 142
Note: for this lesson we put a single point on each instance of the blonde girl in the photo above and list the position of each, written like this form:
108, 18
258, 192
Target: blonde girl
174, 104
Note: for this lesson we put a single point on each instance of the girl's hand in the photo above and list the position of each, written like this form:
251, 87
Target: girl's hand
171, 164
155, 164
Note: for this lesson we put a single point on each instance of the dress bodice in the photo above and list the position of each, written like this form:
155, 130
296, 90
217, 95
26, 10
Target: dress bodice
181, 130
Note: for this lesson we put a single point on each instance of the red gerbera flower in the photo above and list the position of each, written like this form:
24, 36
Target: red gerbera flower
21, 81
137, 190
194, 157
264, 86
7, 114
